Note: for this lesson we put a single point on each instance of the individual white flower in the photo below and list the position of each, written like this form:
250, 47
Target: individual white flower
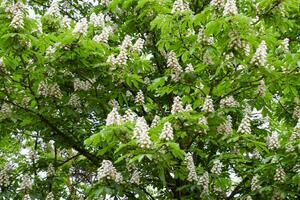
259, 58
50, 196
177, 105
204, 182
226, 127
279, 175
26, 183
245, 125
208, 105
81, 27
26, 197
192, 176
50, 170
113, 117
17, 21
230, 8
122, 58
167, 132
255, 183
66, 22
138, 45
140, 133
129, 116
273, 141
285, 44
74, 101
53, 10
127, 42
139, 99
229, 101
217, 167
180, 6
189, 68
155, 121
135, 178
261, 90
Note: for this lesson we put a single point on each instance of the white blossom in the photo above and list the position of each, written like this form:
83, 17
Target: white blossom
5, 109
155, 121
285, 44
139, 99
129, 116
189, 68
226, 127
104, 35
50, 50
122, 58
4, 177
128, 93
255, 183
192, 176
208, 105
26, 183
105, 2
180, 6
296, 112
82, 85
167, 132
26, 197
114, 103
245, 125
279, 175
217, 167
113, 117
112, 60
217, 3
50, 170
138, 45
50, 196
230, 8
229, 101
17, 21
53, 10
204, 182
273, 141
126, 43
108, 171
261, 90
140, 133
74, 101
173, 63
135, 178
177, 105
188, 108
54, 91
81, 27
97, 20
66, 22
259, 58
247, 49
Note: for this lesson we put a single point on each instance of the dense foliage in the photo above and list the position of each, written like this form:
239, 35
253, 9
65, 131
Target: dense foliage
150, 99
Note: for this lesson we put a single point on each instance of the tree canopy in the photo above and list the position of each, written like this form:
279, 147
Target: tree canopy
150, 99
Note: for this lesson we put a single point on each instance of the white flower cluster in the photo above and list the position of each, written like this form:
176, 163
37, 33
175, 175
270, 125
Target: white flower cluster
5, 109
296, 113
17, 21
113, 117
230, 8
226, 127
261, 90
173, 63
273, 141
50, 170
245, 125
121, 58
192, 176
276, 196
167, 132
81, 27
108, 171
113, 103
208, 105
204, 182
135, 179
138, 45
49, 90
189, 68
177, 105
285, 44
279, 175
217, 167
247, 49
188, 108
26, 183
53, 10
74, 101
147, 81
139, 99
255, 183
50, 196
13, 9
129, 116
229, 102
104, 35
66, 22
289, 147
202, 38
26, 197
180, 6
97, 20
50, 50
259, 58
105, 2
155, 121
217, 3
83, 85
140, 133
4, 177
126, 43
